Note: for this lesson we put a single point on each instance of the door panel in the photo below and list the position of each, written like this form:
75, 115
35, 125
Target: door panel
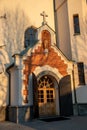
46, 97
35, 96
66, 107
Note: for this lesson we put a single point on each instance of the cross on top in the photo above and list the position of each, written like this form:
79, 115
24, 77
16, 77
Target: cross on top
44, 17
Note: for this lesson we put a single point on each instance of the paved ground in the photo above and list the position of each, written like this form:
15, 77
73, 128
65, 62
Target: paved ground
75, 123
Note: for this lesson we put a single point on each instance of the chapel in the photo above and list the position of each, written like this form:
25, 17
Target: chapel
40, 77
43, 52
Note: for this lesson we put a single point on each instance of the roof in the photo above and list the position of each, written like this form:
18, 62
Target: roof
47, 26
26, 49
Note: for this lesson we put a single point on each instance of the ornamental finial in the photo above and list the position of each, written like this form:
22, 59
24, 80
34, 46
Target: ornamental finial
44, 17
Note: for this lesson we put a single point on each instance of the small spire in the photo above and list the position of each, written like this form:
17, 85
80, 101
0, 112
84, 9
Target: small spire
44, 17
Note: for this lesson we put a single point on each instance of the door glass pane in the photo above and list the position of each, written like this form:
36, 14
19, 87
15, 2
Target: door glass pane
49, 94
45, 89
40, 96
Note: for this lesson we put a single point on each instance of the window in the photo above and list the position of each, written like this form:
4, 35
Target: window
30, 37
41, 96
76, 24
49, 94
81, 73
45, 90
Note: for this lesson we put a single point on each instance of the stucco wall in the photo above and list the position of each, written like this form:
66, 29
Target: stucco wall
78, 42
63, 29
29, 9
14, 88
32, 9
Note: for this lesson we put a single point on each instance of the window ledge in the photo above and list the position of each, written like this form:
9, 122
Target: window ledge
76, 34
82, 84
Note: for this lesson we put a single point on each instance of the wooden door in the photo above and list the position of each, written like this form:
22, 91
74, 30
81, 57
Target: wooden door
66, 105
46, 97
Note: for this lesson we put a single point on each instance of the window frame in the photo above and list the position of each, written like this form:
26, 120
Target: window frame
76, 26
81, 74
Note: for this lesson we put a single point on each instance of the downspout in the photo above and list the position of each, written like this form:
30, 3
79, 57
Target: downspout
9, 91
9, 103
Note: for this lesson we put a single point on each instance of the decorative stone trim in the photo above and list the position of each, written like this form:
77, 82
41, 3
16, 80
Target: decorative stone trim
39, 59
80, 109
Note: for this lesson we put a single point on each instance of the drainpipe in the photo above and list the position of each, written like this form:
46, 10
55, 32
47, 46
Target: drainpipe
9, 103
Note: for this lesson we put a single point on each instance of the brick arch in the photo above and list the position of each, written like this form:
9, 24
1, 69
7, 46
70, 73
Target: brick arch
46, 39
50, 74
39, 59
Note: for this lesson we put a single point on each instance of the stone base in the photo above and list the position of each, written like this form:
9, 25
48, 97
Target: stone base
80, 109
75, 110
20, 114
3, 113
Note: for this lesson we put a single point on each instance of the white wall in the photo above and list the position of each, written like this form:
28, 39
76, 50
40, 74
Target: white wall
4, 90
14, 97
32, 9
81, 94
66, 36
79, 42
63, 28
75, 7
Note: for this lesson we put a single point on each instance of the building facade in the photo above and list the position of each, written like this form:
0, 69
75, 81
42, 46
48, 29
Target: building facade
44, 68
39, 85
71, 24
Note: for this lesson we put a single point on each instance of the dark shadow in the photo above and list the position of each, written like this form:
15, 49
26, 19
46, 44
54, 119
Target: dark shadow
35, 97
3, 97
30, 36
65, 96
55, 118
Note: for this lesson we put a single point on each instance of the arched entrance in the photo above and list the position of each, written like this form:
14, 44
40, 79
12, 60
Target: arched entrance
51, 96
47, 96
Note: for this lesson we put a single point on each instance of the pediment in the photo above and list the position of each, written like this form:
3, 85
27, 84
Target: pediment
50, 30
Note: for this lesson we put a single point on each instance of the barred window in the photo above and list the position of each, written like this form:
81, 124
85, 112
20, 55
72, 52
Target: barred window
81, 73
76, 24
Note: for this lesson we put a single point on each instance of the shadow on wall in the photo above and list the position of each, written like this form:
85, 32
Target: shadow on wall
30, 37
13, 29
13, 39
3, 95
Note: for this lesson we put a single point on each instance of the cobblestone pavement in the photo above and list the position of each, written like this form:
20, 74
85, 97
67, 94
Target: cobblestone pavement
74, 123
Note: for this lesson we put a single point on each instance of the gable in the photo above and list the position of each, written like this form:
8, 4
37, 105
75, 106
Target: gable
39, 58
46, 28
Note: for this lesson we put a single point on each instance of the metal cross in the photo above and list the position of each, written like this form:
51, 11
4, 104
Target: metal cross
44, 17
